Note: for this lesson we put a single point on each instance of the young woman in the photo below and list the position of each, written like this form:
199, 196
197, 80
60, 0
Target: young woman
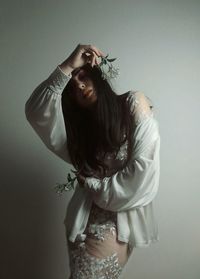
113, 143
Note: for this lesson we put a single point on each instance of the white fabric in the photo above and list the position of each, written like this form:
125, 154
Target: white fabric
129, 192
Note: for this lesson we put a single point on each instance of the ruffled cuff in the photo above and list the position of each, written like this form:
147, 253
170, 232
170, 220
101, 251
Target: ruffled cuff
92, 183
69, 75
58, 80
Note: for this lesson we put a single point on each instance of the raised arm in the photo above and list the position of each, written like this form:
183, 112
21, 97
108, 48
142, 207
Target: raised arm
137, 184
44, 112
43, 109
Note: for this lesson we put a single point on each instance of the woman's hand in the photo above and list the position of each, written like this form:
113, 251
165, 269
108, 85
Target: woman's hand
82, 55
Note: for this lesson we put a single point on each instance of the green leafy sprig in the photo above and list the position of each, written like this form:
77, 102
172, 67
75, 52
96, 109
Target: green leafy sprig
107, 68
69, 185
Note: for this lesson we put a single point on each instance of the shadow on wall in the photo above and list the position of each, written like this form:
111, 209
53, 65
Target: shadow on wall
29, 242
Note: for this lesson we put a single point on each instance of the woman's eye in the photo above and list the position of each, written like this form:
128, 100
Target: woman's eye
82, 76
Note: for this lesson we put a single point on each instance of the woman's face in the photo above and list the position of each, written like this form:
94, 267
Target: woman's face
84, 90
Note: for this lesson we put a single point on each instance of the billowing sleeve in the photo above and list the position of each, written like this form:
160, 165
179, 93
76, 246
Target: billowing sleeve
137, 184
43, 110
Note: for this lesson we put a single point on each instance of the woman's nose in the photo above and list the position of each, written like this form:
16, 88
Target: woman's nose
81, 85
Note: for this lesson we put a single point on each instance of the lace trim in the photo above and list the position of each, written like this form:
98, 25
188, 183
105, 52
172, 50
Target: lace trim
84, 266
138, 106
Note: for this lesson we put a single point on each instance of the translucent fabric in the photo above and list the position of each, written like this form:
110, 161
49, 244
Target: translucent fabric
141, 106
97, 253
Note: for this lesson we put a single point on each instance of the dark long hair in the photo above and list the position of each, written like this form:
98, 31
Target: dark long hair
100, 130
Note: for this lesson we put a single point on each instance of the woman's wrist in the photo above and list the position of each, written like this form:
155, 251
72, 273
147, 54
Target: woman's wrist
66, 67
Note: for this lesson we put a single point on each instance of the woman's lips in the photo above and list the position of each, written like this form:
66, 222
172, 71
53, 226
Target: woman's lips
88, 93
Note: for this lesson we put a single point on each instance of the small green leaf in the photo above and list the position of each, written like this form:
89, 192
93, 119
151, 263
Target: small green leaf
111, 60
69, 177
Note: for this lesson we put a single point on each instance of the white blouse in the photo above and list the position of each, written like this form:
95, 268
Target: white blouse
129, 192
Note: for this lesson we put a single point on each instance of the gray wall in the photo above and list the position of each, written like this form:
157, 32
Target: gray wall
157, 44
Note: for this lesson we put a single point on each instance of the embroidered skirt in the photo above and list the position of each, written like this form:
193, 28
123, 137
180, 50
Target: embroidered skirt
97, 253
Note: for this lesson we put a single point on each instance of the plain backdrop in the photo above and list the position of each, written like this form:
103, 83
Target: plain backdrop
157, 45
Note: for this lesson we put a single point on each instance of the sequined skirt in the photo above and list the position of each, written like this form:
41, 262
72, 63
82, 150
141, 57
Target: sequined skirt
97, 253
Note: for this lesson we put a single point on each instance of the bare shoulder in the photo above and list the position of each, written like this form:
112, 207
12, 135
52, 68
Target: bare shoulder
140, 105
143, 101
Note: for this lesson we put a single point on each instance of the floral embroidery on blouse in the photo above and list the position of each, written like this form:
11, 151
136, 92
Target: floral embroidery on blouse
138, 109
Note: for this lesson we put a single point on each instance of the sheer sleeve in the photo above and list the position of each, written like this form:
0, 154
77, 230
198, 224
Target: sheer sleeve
43, 111
140, 105
137, 184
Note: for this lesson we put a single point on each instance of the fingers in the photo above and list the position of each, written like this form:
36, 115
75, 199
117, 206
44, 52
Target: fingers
93, 48
97, 51
92, 57
89, 53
